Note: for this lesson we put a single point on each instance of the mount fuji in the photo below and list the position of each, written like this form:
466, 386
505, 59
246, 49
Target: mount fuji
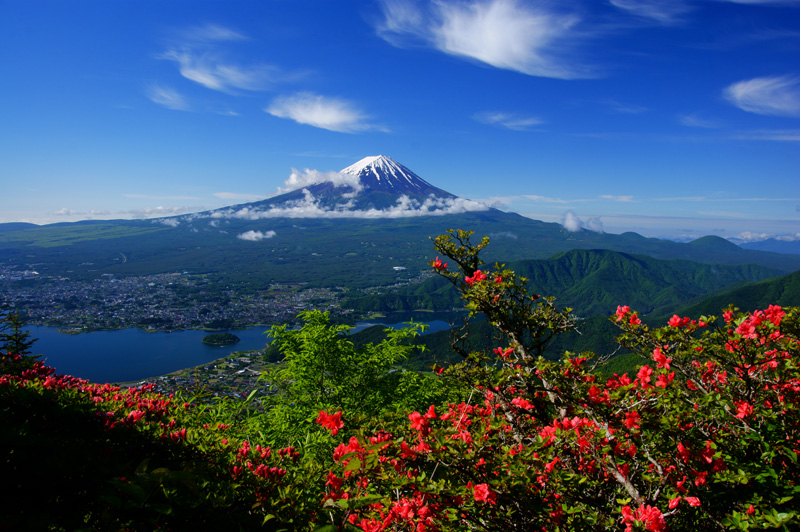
369, 224
374, 187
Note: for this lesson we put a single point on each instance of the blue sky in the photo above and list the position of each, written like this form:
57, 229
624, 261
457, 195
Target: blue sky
673, 119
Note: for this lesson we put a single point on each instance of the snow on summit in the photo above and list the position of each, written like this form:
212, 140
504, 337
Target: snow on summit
374, 187
382, 172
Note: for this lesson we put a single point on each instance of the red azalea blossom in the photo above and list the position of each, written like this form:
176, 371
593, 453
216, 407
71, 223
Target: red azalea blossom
438, 265
332, 422
677, 321
503, 353
662, 362
475, 278
482, 492
632, 420
743, 409
522, 403
650, 516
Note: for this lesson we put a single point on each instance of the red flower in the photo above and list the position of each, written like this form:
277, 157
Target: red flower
332, 422
644, 375
522, 403
621, 311
476, 277
661, 360
650, 516
482, 492
676, 321
632, 420
438, 265
743, 409
775, 314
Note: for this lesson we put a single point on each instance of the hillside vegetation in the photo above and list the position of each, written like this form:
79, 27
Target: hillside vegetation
350, 252
704, 434
591, 281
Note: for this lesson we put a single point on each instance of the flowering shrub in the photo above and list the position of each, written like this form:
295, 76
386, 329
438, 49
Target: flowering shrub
92, 456
705, 436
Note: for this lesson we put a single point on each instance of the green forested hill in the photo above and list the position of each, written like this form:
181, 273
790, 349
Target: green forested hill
593, 282
353, 252
784, 291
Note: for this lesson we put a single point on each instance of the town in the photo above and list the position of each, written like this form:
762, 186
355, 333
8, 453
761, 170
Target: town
161, 302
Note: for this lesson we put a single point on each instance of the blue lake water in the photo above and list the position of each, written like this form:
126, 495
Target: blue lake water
132, 354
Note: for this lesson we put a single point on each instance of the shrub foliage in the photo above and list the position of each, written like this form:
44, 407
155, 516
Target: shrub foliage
705, 435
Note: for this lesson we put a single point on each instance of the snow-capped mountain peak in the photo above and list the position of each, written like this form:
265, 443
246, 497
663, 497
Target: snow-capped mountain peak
379, 172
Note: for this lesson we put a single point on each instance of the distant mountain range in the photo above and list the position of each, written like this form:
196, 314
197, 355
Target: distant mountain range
368, 225
772, 244
593, 282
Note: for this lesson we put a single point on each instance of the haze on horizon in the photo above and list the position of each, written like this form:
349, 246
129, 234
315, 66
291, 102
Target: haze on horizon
672, 119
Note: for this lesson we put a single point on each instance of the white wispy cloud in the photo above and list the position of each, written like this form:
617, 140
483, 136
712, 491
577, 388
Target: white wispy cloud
765, 1
209, 33
572, 223
664, 12
304, 178
239, 196
162, 198
508, 120
533, 39
706, 199
543, 199
213, 72
749, 236
204, 55
623, 199
323, 112
691, 120
771, 95
781, 135
138, 214
309, 207
625, 108
256, 236
168, 97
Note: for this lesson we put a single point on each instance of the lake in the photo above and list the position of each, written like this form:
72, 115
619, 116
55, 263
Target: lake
133, 354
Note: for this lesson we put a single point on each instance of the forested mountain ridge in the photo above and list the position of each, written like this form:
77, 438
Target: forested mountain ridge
368, 225
783, 290
592, 281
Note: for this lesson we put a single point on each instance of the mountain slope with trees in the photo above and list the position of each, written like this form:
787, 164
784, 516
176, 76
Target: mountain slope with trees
593, 281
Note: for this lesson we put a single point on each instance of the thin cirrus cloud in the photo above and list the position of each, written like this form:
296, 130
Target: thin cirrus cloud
202, 55
661, 11
771, 95
322, 112
212, 72
210, 33
780, 135
529, 38
691, 120
239, 196
508, 120
155, 197
623, 199
167, 97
